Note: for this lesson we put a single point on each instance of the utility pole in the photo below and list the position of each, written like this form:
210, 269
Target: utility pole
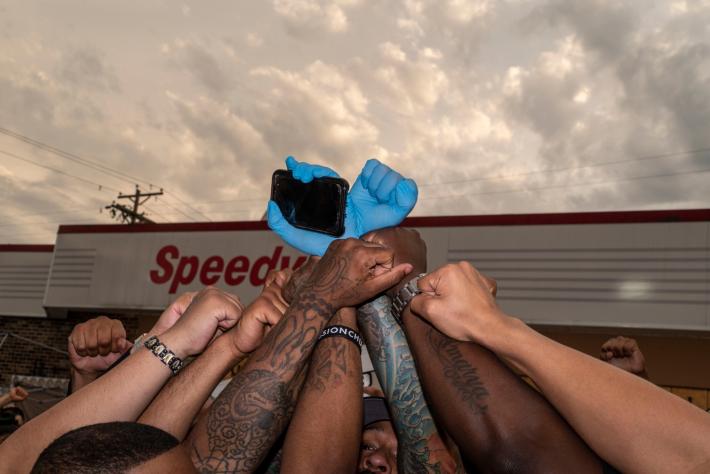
127, 215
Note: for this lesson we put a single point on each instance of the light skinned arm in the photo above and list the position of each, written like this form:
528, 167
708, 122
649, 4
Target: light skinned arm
330, 402
254, 409
123, 393
176, 406
634, 425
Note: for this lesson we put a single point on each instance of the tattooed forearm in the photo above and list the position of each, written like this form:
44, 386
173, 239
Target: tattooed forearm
462, 375
254, 409
329, 364
393, 362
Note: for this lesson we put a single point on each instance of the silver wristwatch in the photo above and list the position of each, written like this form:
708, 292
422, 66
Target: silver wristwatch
404, 296
165, 355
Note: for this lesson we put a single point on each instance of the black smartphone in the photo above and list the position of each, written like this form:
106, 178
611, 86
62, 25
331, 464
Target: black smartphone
318, 205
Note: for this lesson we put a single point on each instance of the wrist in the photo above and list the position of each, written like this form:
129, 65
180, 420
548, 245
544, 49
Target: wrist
227, 344
345, 317
416, 271
176, 343
84, 374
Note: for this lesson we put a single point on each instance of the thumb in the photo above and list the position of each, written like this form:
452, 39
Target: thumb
275, 219
291, 163
387, 280
406, 194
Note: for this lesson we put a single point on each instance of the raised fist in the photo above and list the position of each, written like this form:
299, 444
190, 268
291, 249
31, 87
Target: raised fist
96, 344
407, 245
624, 353
380, 198
17, 394
261, 315
210, 310
353, 271
459, 301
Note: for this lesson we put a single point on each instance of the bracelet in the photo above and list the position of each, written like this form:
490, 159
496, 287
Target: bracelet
342, 331
165, 355
404, 296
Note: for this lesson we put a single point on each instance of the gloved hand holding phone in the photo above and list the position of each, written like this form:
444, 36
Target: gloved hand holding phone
380, 198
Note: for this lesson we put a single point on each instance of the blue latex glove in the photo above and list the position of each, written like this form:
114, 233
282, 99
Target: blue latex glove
379, 198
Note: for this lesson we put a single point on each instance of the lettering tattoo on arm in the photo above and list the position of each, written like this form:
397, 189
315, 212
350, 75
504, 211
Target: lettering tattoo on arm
255, 408
462, 375
419, 442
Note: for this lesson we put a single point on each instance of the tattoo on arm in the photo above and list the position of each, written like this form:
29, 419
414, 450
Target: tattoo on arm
329, 365
394, 364
255, 408
462, 375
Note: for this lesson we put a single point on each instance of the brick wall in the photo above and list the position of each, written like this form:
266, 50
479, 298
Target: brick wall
20, 357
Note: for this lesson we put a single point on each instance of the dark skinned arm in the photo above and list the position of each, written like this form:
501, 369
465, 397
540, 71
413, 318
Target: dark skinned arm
254, 409
330, 402
499, 423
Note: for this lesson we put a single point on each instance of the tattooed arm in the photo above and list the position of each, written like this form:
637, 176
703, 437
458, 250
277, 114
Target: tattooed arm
330, 402
175, 407
636, 425
253, 410
420, 447
490, 413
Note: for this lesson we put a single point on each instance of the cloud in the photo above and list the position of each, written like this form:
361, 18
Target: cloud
303, 16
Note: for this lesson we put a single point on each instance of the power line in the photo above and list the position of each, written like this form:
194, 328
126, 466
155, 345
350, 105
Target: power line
92, 164
88, 181
174, 195
571, 168
545, 188
76, 158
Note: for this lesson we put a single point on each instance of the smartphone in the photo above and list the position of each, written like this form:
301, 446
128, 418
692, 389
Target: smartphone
318, 206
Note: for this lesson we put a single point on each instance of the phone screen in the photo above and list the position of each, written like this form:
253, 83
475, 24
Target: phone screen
318, 205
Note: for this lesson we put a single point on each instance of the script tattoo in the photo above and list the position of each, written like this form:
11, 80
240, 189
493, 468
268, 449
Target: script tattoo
255, 408
459, 372
393, 362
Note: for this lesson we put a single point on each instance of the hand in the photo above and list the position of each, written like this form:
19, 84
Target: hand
352, 271
379, 198
172, 313
459, 301
308, 242
299, 277
96, 344
624, 353
260, 316
17, 394
407, 245
210, 310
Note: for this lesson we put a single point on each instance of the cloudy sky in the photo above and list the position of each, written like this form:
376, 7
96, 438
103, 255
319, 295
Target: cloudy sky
508, 106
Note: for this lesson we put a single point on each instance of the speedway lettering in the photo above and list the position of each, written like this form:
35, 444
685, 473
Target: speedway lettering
182, 270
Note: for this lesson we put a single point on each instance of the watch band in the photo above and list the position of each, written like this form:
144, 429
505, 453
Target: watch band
165, 355
404, 296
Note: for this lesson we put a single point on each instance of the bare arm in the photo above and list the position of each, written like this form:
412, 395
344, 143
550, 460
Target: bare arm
633, 424
124, 392
176, 406
499, 422
330, 402
252, 412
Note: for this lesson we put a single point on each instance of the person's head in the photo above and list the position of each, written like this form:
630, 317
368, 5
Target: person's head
378, 450
114, 447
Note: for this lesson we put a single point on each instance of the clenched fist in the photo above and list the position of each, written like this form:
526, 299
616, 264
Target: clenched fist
624, 353
96, 344
459, 301
353, 271
261, 315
